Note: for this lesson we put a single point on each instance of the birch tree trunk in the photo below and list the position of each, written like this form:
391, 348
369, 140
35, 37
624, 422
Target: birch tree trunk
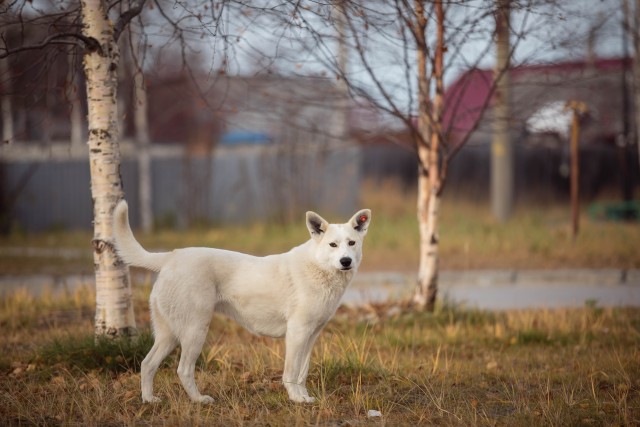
114, 309
428, 204
343, 89
50, 106
5, 101
73, 97
636, 73
429, 181
141, 124
144, 158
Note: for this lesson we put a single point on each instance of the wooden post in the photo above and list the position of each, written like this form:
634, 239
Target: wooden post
578, 108
502, 150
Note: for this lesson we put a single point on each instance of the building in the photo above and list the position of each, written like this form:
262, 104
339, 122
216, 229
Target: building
243, 149
542, 152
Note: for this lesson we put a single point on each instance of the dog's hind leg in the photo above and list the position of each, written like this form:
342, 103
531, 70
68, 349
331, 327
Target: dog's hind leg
164, 343
191, 341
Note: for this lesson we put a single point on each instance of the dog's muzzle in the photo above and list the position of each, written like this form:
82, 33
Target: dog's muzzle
346, 263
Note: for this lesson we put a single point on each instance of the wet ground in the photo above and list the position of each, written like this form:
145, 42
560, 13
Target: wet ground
486, 289
510, 289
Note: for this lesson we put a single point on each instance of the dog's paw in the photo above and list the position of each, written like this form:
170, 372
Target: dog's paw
309, 399
205, 399
152, 399
302, 399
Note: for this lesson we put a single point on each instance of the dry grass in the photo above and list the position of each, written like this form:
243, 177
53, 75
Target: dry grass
452, 367
537, 236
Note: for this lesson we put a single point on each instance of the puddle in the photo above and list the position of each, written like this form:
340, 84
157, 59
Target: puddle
499, 290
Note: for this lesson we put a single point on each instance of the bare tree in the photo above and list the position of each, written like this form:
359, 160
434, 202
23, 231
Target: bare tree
88, 26
401, 51
114, 308
5, 103
135, 48
631, 25
93, 28
636, 71
74, 97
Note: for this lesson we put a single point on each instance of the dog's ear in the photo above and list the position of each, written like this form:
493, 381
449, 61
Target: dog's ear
316, 224
360, 221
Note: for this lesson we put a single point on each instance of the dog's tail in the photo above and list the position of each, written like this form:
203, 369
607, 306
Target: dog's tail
128, 248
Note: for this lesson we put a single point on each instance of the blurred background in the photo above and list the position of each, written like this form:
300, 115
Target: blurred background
495, 141
249, 115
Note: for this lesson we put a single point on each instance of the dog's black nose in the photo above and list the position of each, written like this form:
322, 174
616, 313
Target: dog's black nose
346, 261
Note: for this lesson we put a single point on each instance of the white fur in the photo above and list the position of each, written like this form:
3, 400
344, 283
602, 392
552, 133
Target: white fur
291, 295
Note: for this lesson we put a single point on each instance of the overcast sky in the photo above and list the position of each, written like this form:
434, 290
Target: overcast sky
551, 31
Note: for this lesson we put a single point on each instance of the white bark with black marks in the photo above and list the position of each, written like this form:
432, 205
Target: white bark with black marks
114, 308
428, 206
429, 155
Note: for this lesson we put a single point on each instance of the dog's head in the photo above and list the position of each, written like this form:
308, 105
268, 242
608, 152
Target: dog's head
339, 246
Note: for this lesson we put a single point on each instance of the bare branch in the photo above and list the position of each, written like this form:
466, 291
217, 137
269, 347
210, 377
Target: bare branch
489, 97
134, 10
61, 38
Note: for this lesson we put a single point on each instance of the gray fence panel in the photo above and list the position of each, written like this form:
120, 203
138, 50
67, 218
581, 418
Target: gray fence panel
233, 186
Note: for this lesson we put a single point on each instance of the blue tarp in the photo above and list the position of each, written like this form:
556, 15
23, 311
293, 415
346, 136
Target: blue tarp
245, 137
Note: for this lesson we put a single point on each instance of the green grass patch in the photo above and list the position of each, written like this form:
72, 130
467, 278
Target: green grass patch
87, 353
533, 336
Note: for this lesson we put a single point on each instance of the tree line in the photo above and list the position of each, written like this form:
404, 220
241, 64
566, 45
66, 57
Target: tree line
393, 55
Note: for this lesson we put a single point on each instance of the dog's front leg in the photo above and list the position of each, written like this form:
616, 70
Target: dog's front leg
298, 342
304, 370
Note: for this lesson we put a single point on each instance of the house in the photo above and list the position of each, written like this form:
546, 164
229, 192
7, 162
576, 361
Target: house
538, 94
227, 109
598, 83
225, 149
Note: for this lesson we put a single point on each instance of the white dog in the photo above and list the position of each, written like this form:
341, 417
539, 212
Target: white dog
291, 295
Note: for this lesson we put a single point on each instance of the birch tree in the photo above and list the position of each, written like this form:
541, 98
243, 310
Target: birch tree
636, 72
428, 145
400, 51
5, 101
114, 305
134, 48
92, 30
632, 24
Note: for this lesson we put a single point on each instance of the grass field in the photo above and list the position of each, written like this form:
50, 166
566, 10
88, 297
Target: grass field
452, 367
536, 237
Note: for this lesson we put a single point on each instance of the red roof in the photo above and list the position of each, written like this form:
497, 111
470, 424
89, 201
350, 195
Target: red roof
464, 99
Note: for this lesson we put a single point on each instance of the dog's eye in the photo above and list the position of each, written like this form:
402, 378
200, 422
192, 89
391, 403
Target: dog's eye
333, 245
351, 242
